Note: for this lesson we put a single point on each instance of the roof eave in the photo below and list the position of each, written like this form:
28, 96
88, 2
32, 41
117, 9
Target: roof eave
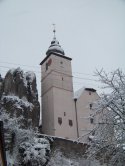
62, 56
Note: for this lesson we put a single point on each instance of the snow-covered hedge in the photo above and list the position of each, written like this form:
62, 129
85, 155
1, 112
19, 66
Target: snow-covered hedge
24, 145
35, 152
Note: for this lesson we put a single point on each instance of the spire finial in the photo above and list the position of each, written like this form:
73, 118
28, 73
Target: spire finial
54, 30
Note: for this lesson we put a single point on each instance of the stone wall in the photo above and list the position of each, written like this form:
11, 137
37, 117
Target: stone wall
68, 153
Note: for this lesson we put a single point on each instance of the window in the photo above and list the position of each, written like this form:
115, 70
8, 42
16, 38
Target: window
46, 66
90, 106
91, 120
59, 120
61, 64
70, 123
49, 62
89, 93
64, 113
62, 78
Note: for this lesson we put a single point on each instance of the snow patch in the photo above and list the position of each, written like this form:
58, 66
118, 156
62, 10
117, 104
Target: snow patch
19, 102
78, 93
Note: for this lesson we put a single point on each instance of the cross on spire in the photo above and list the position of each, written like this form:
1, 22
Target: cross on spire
54, 30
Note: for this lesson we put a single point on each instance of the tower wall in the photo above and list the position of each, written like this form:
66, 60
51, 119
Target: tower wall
64, 109
86, 115
58, 111
48, 113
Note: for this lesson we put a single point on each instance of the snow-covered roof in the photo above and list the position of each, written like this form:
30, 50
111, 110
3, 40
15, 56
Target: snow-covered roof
79, 92
55, 47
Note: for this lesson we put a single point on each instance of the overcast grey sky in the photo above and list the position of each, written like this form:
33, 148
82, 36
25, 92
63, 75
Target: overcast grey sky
91, 32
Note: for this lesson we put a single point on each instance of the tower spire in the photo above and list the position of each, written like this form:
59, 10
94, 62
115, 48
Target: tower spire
54, 31
55, 47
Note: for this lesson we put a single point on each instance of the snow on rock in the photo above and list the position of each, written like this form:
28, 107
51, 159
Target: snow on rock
1, 86
30, 76
19, 111
17, 107
19, 96
21, 84
18, 103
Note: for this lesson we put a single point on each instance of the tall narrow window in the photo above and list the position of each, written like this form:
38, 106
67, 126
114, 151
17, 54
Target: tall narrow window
49, 62
89, 93
64, 113
91, 120
70, 123
90, 106
46, 66
59, 120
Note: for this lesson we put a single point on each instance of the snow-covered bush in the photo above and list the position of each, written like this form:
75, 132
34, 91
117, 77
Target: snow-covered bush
35, 152
23, 146
20, 111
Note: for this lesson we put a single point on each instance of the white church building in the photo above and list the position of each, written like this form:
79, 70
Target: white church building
64, 114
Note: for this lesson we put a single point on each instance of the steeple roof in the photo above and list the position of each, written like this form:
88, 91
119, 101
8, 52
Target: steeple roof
55, 47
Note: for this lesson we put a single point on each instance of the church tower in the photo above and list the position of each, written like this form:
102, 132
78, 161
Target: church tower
58, 111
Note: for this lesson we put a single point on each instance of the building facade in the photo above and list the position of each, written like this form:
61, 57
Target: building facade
84, 100
63, 114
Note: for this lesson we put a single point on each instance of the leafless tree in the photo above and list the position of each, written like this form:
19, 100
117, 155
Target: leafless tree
108, 143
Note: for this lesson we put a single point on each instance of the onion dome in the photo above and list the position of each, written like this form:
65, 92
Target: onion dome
55, 48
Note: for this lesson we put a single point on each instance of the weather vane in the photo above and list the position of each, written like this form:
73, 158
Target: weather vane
54, 30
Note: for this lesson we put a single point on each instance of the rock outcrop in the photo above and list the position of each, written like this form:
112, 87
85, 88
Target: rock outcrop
19, 96
1, 86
